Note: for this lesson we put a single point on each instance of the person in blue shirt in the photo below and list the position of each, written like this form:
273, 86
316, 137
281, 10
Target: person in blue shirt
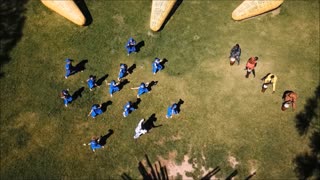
69, 68
127, 109
122, 72
113, 87
91, 82
67, 98
131, 46
156, 65
94, 144
95, 110
235, 54
142, 89
173, 109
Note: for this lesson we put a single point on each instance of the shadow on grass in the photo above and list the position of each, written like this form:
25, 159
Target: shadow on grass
84, 9
105, 105
100, 81
152, 83
211, 173
103, 139
131, 68
157, 172
149, 124
163, 62
139, 46
12, 22
233, 174
179, 105
173, 10
136, 103
304, 118
77, 93
81, 66
123, 83
250, 176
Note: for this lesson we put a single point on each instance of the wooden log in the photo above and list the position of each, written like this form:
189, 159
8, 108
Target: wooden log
67, 9
250, 8
159, 12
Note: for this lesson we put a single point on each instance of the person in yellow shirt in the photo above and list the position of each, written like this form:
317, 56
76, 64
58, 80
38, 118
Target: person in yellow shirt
267, 80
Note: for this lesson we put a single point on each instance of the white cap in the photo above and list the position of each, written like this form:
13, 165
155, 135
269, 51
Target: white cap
232, 59
249, 70
265, 86
286, 105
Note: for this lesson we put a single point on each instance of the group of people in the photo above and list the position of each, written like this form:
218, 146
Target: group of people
97, 109
289, 97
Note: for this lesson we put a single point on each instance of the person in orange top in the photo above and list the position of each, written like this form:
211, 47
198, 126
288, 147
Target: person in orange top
251, 64
289, 97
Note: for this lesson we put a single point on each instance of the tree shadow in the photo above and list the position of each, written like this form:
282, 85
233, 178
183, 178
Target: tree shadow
81, 66
315, 142
103, 139
123, 83
233, 174
250, 176
211, 173
304, 118
12, 22
149, 124
125, 176
131, 68
77, 93
105, 105
136, 103
152, 83
156, 172
173, 10
100, 81
84, 9
306, 165
139, 46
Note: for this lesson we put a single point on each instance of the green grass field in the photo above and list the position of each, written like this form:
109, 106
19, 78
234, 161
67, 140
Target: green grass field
223, 115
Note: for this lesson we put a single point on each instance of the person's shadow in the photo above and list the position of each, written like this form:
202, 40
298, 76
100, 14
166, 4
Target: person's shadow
211, 173
233, 174
77, 93
149, 124
123, 83
105, 105
163, 62
131, 68
139, 46
100, 81
135, 104
81, 66
152, 83
179, 105
103, 139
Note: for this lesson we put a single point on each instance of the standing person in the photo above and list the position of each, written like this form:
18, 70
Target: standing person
156, 65
94, 144
123, 71
267, 80
139, 130
289, 97
113, 87
69, 68
131, 46
127, 109
251, 64
95, 110
173, 109
235, 54
142, 89
67, 98
91, 82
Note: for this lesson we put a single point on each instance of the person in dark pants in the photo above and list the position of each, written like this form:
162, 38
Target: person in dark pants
250, 66
131, 46
67, 98
69, 68
235, 54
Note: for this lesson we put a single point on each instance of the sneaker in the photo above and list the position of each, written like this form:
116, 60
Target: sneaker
66, 77
167, 117
124, 114
66, 105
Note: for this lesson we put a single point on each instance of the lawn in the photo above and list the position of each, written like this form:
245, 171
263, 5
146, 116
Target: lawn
225, 121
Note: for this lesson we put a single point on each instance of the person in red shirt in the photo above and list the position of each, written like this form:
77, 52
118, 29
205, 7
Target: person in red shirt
251, 64
289, 97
